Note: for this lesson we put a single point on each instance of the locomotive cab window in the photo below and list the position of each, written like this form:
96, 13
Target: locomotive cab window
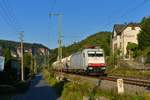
99, 55
91, 54
95, 54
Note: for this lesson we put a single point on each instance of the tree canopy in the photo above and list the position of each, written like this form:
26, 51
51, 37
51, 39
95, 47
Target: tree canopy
132, 49
144, 35
7, 55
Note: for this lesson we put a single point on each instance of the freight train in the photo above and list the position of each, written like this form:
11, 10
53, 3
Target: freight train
90, 61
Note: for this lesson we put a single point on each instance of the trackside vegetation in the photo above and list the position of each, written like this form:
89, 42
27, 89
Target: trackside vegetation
126, 72
74, 90
49, 76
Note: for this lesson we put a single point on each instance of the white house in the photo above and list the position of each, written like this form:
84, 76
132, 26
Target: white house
122, 34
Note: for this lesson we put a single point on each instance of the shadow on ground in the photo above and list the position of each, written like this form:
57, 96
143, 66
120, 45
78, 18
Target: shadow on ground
38, 93
39, 90
7, 91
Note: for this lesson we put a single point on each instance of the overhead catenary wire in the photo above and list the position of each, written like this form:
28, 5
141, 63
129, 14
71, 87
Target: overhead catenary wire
125, 14
11, 21
128, 12
12, 14
8, 16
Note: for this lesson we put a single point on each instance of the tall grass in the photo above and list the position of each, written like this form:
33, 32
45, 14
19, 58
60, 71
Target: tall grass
74, 91
49, 76
112, 95
130, 73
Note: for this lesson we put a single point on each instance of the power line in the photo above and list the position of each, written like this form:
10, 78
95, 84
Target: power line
5, 17
127, 13
8, 15
134, 9
12, 14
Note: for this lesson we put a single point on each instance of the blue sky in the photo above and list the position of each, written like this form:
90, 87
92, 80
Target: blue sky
81, 18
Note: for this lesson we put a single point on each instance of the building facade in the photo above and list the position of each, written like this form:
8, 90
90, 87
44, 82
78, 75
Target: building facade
122, 35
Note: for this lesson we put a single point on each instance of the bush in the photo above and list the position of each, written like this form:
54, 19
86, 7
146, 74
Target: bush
75, 91
49, 77
112, 95
130, 73
146, 96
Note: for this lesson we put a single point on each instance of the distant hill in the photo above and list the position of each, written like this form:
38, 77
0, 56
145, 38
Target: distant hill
13, 45
101, 39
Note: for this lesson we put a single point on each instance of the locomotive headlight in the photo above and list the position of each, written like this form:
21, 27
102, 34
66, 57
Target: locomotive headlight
103, 68
90, 68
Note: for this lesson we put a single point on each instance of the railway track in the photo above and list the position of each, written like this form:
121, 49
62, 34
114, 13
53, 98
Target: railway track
131, 81
126, 80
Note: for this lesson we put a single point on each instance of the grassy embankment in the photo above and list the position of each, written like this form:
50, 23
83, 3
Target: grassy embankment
76, 90
128, 72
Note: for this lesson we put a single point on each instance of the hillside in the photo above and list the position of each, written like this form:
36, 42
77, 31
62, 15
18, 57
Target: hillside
14, 44
101, 39
38, 49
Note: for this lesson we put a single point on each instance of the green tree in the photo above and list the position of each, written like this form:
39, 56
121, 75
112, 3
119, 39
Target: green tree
27, 60
100, 39
144, 35
7, 55
132, 49
27, 64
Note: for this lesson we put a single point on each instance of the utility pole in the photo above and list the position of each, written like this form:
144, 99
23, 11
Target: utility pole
35, 65
31, 67
59, 15
123, 48
22, 67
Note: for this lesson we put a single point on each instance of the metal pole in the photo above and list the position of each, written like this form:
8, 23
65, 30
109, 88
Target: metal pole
123, 47
31, 64
35, 65
59, 35
59, 39
22, 67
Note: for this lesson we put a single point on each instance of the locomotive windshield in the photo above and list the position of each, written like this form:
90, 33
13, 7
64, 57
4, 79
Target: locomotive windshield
95, 54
